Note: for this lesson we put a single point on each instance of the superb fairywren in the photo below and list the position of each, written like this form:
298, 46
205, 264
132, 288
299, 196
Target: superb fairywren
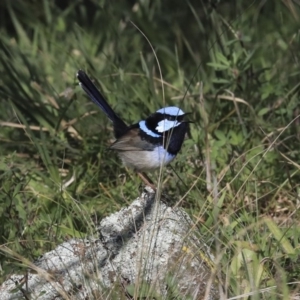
148, 144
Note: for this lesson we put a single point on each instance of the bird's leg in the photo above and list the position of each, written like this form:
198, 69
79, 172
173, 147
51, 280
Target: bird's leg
147, 180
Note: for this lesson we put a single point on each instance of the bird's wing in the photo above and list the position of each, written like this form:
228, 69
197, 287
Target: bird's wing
131, 141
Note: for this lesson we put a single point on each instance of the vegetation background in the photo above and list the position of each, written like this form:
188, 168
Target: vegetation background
233, 64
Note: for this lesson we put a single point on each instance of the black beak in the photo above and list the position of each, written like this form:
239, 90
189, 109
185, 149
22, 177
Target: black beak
187, 121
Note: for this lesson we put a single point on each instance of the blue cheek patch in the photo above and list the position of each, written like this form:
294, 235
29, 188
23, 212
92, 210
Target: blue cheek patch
166, 125
143, 127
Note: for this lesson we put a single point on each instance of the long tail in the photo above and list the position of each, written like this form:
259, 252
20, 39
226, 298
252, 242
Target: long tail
87, 85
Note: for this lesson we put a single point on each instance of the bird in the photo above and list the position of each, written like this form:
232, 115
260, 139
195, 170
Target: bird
148, 144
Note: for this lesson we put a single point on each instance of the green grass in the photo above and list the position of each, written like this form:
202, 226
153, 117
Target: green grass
234, 65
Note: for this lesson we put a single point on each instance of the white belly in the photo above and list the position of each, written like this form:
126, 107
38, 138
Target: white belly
146, 160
